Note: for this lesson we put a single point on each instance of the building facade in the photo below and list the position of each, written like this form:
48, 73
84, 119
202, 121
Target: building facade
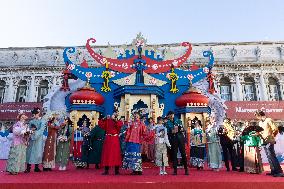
244, 72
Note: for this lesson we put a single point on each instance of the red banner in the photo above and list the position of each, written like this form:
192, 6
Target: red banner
244, 110
10, 110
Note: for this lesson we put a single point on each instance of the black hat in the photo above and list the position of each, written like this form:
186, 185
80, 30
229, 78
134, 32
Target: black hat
259, 113
170, 113
35, 111
159, 118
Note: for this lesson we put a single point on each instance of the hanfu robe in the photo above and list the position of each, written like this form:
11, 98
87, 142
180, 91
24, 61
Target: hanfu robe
80, 147
35, 147
111, 154
5, 143
214, 148
96, 138
252, 156
50, 145
161, 142
134, 135
63, 145
197, 147
122, 135
17, 155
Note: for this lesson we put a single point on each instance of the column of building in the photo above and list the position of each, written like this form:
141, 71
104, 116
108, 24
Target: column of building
239, 88
32, 90
10, 94
263, 88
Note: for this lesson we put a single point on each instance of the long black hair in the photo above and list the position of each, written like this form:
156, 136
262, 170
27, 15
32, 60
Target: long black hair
281, 129
69, 124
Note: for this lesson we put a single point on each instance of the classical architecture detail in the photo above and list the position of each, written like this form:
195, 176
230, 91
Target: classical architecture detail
251, 71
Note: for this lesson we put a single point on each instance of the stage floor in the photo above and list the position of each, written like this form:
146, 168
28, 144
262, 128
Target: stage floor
92, 178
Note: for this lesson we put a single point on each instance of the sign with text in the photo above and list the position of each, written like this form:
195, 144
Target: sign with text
10, 110
244, 110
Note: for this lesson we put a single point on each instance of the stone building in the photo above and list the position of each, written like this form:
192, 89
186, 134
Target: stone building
245, 71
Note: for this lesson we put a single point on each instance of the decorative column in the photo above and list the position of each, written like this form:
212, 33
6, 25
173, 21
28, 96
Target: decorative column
262, 89
233, 91
32, 90
281, 86
239, 88
9, 95
53, 83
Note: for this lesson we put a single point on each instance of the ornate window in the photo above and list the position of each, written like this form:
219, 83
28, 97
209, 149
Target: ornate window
249, 89
274, 89
2, 90
225, 89
42, 90
21, 91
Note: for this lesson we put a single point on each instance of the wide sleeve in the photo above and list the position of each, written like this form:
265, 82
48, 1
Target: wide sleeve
167, 138
118, 125
18, 130
93, 133
38, 133
54, 125
102, 124
70, 131
128, 132
273, 127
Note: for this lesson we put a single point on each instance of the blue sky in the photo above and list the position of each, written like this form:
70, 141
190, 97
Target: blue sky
25, 23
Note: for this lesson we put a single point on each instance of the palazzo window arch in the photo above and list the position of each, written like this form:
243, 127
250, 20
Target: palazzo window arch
21, 91
2, 90
249, 89
273, 89
42, 90
225, 89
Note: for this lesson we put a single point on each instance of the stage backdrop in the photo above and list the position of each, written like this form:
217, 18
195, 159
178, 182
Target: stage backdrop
10, 110
244, 110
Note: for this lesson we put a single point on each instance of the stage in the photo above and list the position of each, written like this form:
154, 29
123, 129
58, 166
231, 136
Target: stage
92, 178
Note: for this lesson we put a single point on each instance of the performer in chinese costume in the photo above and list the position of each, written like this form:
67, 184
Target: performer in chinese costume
151, 141
239, 144
177, 136
214, 146
132, 159
63, 144
6, 137
81, 144
111, 154
35, 145
226, 134
50, 144
161, 142
197, 146
252, 143
96, 140
122, 134
17, 155
270, 131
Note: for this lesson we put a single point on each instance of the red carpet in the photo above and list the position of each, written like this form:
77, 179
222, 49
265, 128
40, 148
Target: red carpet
92, 178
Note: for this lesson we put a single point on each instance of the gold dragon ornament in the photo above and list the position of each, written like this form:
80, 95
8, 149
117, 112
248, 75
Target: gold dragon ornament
106, 75
173, 77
